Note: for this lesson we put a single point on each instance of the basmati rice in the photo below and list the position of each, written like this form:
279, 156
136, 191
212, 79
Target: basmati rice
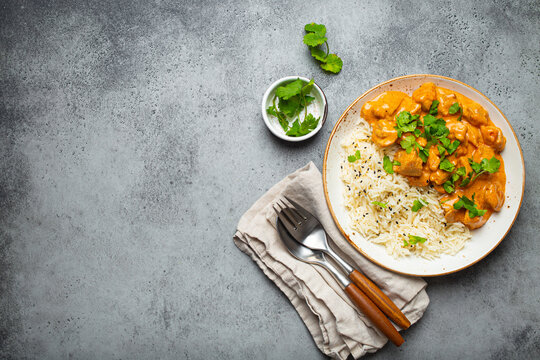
366, 181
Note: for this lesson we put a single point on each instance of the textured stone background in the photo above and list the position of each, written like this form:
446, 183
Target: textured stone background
132, 141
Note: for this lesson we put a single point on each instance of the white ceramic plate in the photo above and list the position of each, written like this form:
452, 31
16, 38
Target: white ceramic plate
483, 241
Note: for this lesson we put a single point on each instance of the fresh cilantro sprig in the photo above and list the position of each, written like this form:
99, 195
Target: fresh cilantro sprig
468, 204
418, 204
354, 157
381, 204
315, 37
413, 240
293, 98
388, 165
491, 166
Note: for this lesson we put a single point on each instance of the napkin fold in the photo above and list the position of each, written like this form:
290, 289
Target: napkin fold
338, 328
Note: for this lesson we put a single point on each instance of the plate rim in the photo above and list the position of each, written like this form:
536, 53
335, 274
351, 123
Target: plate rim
325, 186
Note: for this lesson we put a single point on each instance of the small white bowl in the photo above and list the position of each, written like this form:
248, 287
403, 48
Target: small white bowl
272, 122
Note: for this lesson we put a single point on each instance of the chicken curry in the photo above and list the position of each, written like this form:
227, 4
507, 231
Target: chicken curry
447, 141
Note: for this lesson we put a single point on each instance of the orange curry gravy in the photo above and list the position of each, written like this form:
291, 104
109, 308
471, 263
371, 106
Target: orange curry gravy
479, 139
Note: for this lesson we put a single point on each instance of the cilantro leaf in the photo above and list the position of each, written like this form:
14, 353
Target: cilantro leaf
315, 28
452, 147
314, 39
333, 63
413, 239
388, 165
433, 109
468, 204
418, 204
378, 203
306, 89
289, 90
408, 143
272, 110
448, 187
441, 149
318, 54
353, 158
462, 171
405, 122
454, 108
294, 129
290, 107
466, 180
446, 165
423, 153
435, 128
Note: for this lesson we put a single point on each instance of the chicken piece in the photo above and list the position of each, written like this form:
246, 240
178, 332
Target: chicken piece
493, 137
473, 135
493, 196
464, 162
475, 222
446, 98
425, 95
439, 176
433, 160
383, 106
422, 180
475, 113
447, 204
384, 133
407, 104
483, 152
458, 130
411, 164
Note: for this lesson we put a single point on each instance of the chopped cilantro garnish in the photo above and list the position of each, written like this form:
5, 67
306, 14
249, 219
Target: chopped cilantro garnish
433, 109
378, 203
453, 146
388, 165
405, 122
461, 171
468, 204
448, 186
413, 239
466, 180
353, 158
446, 165
418, 204
441, 149
454, 108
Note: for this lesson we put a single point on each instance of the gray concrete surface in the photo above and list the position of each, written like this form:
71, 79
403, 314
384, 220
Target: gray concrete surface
132, 141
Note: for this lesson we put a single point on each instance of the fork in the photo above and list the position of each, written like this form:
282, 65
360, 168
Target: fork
355, 294
308, 231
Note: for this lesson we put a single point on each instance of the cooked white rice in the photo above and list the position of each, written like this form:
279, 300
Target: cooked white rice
365, 181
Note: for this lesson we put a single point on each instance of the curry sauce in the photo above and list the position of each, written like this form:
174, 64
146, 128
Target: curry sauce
448, 142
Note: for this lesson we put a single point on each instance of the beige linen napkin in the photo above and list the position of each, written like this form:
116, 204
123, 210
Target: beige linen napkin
338, 328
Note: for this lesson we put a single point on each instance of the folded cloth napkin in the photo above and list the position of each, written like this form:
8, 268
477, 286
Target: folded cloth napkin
338, 328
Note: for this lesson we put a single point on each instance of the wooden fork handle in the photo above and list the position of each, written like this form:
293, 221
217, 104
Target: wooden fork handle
373, 313
380, 299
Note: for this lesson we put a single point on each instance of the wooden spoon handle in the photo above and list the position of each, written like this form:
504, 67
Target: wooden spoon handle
373, 313
380, 299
